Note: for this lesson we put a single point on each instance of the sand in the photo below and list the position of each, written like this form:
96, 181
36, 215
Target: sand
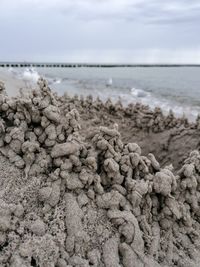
12, 83
85, 183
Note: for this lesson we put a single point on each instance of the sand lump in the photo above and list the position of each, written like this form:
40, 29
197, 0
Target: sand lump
80, 200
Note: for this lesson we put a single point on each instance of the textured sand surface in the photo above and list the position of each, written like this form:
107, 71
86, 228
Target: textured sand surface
77, 190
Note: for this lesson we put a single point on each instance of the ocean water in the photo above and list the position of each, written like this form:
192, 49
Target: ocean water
176, 88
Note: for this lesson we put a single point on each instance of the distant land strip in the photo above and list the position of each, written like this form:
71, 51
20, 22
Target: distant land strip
89, 65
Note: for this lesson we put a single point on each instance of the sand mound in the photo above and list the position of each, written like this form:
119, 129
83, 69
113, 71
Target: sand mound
81, 197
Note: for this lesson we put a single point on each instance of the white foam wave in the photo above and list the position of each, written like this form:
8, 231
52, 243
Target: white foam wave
30, 75
143, 97
139, 93
57, 81
109, 82
12, 71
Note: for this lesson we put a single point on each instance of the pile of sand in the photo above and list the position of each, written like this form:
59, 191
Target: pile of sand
74, 193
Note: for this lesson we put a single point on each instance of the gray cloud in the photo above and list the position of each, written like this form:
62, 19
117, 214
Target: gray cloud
106, 30
141, 10
153, 11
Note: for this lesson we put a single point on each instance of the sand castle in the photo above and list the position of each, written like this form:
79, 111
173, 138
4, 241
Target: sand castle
81, 197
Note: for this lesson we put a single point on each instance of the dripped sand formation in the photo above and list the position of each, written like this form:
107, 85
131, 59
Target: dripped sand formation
73, 196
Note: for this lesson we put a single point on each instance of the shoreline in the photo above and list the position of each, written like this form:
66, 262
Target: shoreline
14, 84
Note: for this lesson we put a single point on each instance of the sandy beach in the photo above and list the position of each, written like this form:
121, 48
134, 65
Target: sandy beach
86, 183
12, 84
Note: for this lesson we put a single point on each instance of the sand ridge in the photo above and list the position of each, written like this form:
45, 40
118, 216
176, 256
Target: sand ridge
78, 193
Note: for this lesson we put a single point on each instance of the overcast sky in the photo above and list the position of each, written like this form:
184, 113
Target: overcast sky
117, 31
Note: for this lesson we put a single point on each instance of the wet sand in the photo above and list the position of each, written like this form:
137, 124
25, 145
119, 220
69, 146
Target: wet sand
87, 183
12, 84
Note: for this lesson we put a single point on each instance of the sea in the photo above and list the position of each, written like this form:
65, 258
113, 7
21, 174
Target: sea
171, 88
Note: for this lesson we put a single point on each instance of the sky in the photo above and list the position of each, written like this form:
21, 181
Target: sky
104, 31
